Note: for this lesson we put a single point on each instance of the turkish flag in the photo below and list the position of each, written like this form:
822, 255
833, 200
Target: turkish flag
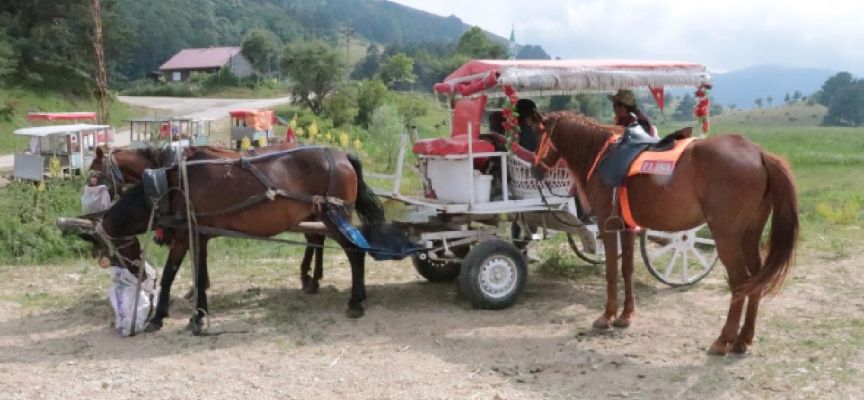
658, 96
289, 136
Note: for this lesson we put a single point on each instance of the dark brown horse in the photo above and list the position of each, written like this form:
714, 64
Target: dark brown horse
307, 181
725, 180
122, 167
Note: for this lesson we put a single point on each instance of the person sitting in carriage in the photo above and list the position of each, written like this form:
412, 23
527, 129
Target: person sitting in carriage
624, 104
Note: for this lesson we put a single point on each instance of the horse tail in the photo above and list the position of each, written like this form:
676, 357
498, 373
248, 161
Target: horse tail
367, 205
784, 229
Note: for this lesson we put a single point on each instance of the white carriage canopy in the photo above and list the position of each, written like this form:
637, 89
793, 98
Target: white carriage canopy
553, 77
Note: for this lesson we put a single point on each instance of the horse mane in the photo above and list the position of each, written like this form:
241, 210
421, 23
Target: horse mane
155, 155
592, 136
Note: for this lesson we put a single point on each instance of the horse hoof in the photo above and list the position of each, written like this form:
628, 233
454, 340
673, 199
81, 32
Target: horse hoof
311, 288
718, 349
602, 323
739, 349
354, 314
152, 327
194, 327
621, 323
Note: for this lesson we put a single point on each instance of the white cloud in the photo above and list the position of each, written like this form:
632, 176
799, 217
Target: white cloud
723, 35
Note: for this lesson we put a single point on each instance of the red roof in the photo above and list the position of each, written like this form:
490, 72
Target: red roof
209, 57
61, 116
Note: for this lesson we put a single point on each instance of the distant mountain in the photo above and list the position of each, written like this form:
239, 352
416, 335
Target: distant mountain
742, 87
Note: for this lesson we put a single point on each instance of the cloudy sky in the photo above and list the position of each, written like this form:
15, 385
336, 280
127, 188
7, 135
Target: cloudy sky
722, 34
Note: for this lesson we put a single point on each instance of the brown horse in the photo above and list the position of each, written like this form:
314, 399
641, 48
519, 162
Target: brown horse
725, 180
289, 187
122, 167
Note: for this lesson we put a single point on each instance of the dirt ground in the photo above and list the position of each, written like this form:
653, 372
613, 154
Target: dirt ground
422, 341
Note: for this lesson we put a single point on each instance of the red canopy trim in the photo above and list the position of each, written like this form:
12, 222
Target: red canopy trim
61, 116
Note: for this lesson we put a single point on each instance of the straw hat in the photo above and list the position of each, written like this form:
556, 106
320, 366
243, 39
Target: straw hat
625, 97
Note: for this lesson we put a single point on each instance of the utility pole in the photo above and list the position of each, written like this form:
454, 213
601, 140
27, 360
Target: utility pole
101, 77
348, 31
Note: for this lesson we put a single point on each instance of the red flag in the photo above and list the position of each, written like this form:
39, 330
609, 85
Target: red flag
289, 136
658, 96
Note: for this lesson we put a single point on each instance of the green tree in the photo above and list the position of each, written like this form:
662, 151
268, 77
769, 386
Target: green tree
769, 99
385, 126
371, 94
733, 106
8, 58
315, 69
832, 85
560, 103
590, 105
397, 70
411, 108
787, 99
261, 46
847, 105
798, 96
685, 108
474, 43
759, 102
340, 107
368, 66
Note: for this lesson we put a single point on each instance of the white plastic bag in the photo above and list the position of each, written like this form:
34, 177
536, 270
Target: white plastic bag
122, 295
95, 199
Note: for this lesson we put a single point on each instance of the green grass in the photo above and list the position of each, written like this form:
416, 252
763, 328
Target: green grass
779, 115
19, 102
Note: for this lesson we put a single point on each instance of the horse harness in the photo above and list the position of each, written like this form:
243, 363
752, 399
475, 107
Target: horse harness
156, 188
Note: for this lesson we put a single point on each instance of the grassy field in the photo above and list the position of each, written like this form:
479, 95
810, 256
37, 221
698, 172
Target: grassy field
19, 102
799, 115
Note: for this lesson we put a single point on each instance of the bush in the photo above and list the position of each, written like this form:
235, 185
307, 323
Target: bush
340, 107
28, 213
371, 94
385, 128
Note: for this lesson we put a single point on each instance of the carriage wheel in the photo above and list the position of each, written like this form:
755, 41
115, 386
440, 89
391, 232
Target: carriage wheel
439, 271
679, 258
493, 275
584, 247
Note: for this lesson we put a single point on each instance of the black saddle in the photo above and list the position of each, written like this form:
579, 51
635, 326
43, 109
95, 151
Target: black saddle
620, 155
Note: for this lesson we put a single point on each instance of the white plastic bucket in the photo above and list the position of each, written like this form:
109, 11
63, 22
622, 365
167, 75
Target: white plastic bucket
482, 187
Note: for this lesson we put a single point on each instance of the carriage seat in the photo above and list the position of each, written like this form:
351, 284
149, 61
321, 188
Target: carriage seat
466, 111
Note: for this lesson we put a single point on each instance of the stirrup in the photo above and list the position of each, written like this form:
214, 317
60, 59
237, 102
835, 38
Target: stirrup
614, 218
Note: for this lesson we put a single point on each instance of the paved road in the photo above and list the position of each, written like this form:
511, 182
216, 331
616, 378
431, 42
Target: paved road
177, 107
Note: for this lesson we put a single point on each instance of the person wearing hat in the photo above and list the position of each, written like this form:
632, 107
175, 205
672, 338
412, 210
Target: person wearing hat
624, 103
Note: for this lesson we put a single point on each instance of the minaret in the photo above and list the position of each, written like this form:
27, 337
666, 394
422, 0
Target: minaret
511, 47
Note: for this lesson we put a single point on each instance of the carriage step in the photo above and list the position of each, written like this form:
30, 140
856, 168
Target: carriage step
317, 228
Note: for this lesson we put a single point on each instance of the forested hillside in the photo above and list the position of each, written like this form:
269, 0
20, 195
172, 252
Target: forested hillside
48, 43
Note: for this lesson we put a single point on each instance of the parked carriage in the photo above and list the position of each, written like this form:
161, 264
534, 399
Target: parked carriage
173, 131
459, 219
59, 138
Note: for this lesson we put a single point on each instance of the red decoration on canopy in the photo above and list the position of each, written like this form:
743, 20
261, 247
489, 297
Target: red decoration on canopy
702, 107
511, 121
658, 96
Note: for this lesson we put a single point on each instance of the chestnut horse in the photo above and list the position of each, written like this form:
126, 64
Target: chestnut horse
121, 167
306, 181
726, 180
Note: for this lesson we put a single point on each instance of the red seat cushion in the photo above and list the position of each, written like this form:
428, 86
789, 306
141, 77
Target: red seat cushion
451, 146
468, 111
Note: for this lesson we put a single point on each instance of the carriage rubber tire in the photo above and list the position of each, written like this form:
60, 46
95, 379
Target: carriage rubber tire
507, 260
438, 271
643, 240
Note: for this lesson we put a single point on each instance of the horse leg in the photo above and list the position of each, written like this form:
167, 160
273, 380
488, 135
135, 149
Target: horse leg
627, 243
195, 324
305, 279
729, 250
610, 243
172, 265
311, 285
753, 261
357, 258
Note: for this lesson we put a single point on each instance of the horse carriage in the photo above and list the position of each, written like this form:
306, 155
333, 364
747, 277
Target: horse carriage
170, 131
459, 219
58, 144
254, 126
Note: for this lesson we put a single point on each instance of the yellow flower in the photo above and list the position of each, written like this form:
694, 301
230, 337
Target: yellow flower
262, 141
41, 187
344, 140
299, 132
245, 144
293, 123
54, 167
313, 129
357, 144
329, 137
